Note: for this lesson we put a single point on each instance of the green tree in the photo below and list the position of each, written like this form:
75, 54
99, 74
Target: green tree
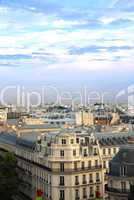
8, 176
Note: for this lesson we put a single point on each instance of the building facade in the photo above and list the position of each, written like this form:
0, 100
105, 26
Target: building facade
63, 165
121, 175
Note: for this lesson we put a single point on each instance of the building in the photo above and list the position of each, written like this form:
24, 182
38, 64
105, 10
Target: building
84, 118
3, 115
115, 119
24, 126
121, 174
63, 165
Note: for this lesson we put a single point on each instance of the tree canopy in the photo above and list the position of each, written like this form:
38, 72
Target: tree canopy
8, 176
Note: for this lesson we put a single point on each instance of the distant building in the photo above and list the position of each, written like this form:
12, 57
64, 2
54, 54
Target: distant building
84, 118
115, 119
3, 115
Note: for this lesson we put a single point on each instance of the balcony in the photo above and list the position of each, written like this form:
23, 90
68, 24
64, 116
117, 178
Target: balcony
77, 170
84, 182
98, 180
85, 197
91, 196
120, 192
77, 183
91, 182
61, 184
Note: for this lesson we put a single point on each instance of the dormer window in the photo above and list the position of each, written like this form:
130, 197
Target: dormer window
77, 140
71, 141
123, 170
63, 141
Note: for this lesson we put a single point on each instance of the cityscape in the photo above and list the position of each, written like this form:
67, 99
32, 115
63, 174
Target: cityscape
66, 100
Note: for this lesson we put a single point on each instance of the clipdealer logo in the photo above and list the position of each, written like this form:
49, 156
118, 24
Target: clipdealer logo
129, 94
24, 98
27, 98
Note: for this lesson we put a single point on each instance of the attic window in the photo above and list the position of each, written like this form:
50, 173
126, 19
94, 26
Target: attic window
123, 170
63, 141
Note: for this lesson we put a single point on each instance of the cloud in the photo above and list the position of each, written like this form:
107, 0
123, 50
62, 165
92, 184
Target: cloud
124, 4
73, 36
33, 5
97, 49
122, 23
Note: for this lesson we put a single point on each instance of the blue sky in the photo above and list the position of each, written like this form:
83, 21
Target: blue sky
67, 43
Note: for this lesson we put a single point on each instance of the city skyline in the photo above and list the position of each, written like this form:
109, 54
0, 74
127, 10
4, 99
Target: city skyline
67, 44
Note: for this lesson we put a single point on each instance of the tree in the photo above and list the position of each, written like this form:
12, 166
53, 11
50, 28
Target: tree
8, 176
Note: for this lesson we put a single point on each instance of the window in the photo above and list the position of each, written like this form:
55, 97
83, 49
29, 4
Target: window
104, 164
96, 163
71, 141
75, 165
97, 188
63, 141
95, 151
62, 167
74, 152
91, 192
105, 176
84, 193
123, 186
82, 165
90, 178
77, 140
85, 152
123, 170
76, 180
62, 195
98, 192
109, 151
104, 151
76, 194
114, 150
89, 164
62, 180
97, 177
82, 141
62, 153
84, 179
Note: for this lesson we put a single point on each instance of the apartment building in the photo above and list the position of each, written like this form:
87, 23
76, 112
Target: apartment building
63, 165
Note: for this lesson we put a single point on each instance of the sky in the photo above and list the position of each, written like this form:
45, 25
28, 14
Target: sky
68, 43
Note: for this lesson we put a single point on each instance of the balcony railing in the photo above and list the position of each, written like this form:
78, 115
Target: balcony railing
97, 180
92, 168
61, 184
77, 183
84, 182
91, 196
119, 191
85, 197
91, 181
